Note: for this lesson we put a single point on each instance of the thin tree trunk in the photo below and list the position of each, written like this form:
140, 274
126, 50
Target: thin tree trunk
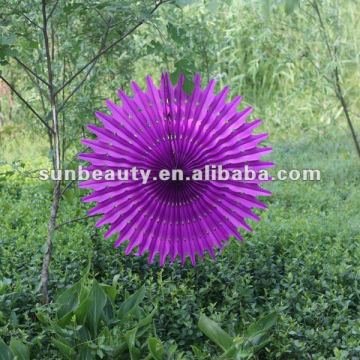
49, 242
54, 139
1, 117
336, 73
340, 96
57, 158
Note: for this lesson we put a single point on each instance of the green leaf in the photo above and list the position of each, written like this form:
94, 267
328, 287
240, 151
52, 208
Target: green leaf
13, 319
91, 309
66, 319
110, 291
85, 353
156, 348
144, 321
130, 338
5, 52
83, 334
115, 280
131, 302
233, 351
8, 39
82, 310
143, 325
19, 349
177, 34
182, 3
59, 331
68, 300
171, 350
261, 326
5, 351
290, 6
98, 302
260, 340
186, 67
64, 348
43, 318
215, 333
120, 348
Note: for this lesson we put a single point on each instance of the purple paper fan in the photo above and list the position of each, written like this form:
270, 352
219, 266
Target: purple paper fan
165, 128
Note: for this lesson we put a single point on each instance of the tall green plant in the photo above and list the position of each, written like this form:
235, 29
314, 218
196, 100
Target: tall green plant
242, 346
88, 325
15, 351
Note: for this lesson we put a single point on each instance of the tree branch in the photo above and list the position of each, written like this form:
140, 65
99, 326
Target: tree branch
51, 13
32, 22
109, 47
31, 71
74, 220
41, 91
103, 42
67, 187
322, 25
340, 96
61, 107
26, 103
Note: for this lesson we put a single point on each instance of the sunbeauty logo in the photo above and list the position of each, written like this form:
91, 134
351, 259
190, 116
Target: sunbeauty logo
208, 173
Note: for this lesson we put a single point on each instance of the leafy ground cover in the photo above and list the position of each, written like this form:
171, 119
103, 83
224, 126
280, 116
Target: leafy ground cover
302, 261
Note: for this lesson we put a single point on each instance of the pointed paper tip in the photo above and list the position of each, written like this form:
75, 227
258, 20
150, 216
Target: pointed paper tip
122, 94
135, 87
149, 81
100, 222
151, 257
109, 233
197, 80
99, 114
86, 142
162, 260
118, 242
181, 80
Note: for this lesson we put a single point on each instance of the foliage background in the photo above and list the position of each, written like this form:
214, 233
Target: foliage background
302, 259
